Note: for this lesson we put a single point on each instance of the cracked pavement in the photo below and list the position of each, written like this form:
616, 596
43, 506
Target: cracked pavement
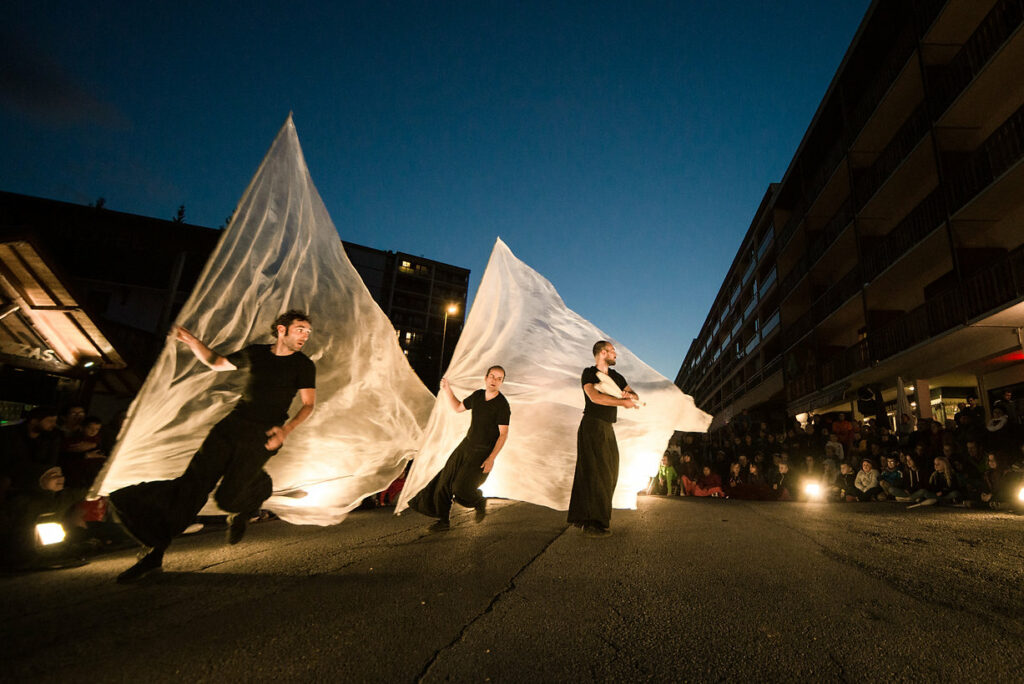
684, 590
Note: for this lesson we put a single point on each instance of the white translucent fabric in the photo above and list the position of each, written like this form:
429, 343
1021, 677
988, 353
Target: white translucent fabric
281, 251
518, 321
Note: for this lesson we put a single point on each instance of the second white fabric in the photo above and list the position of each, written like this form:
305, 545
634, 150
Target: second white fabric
520, 322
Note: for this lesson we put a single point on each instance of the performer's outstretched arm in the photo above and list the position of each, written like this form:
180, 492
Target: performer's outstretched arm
446, 390
278, 433
502, 438
207, 356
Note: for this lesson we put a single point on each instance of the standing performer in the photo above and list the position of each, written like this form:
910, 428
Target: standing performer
597, 453
468, 466
235, 449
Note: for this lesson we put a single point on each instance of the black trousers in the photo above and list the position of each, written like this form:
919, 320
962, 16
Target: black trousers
460, 479
233, 453
597, 472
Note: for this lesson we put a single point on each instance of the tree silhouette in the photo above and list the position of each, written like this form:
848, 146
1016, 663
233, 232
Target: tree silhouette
180, 216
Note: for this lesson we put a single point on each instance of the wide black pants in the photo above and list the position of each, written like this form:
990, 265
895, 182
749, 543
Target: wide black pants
460, 479
233, 453
597, 472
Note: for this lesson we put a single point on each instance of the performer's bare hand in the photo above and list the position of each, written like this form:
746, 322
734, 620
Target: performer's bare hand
487, 465
276, 441
444, 383
184, 335
627, 402
52, 480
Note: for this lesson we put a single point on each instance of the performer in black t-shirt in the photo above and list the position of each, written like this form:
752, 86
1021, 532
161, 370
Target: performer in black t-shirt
468, 466
234, 451
597, 453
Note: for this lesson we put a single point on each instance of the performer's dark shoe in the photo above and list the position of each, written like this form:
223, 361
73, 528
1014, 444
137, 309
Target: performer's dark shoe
237, 522
149, 564
480, 511
596, 531
440, 526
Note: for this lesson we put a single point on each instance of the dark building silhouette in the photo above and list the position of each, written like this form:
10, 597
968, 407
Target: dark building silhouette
893, 247
130, 275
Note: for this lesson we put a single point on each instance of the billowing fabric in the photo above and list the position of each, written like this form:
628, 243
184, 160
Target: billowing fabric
281, 251
518, 321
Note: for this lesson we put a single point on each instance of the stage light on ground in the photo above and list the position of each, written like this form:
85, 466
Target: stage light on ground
812, 490
1020, 494
50, 533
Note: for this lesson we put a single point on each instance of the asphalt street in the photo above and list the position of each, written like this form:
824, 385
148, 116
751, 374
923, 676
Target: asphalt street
684, 590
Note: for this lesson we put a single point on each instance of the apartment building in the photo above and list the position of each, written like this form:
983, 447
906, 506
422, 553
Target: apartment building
893, 248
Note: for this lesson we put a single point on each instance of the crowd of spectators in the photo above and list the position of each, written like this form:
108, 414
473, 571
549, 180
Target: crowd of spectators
47, 464
971, 461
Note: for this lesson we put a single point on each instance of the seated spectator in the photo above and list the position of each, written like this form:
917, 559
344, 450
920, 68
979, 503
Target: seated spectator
942, 486
829, 470
666, 479
891, 479
744, 464
866, 483
834, 449
783, 485
997, 489
757, 488
811, 471
708, 484
845, 486
1002, 437
71, 421
687, 475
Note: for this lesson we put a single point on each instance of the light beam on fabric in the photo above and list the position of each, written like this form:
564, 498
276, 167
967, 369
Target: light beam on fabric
520, 322
281, 251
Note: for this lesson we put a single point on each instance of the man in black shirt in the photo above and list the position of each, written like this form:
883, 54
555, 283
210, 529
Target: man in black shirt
234, 451
597, 453
468, 466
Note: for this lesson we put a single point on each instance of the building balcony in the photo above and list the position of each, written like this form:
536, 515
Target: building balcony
1003, 150
996, 29
879, 253
868, 181
825, 238
827, 304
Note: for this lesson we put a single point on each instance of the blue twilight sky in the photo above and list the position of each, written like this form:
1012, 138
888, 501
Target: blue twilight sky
619, 148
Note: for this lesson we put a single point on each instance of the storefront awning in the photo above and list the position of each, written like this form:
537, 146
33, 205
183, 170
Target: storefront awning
41, 325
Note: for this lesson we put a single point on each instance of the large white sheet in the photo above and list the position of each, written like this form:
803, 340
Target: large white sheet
519, 321
281, 251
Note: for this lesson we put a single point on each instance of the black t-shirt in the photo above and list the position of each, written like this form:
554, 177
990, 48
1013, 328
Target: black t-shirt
605, 413
271, 383
487, 416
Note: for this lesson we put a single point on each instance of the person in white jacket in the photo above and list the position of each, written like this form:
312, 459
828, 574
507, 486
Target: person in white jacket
868, 488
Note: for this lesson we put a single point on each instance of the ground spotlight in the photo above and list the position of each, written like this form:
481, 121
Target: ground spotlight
49, 532
1020, 494
812, 490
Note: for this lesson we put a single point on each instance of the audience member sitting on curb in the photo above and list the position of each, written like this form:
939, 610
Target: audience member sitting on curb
687, 475
942, 486
845, 486
665, 481
866, 482
782, 482
834, 449
708, 484
892, 479
997, 487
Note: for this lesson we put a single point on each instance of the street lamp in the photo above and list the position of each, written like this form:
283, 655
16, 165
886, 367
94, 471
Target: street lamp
450, 309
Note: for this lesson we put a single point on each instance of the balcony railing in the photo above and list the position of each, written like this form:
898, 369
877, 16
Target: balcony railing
829, 301
879, 253
828, 234
926, 12
950, 80
999, 152
868, 181
900, 52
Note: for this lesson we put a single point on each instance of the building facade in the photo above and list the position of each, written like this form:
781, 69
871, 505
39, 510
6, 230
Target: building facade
130, 275
891, 254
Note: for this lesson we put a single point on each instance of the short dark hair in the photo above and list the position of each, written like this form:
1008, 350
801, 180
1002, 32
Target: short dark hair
600, 345
92, 420
287, 318
503, 373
